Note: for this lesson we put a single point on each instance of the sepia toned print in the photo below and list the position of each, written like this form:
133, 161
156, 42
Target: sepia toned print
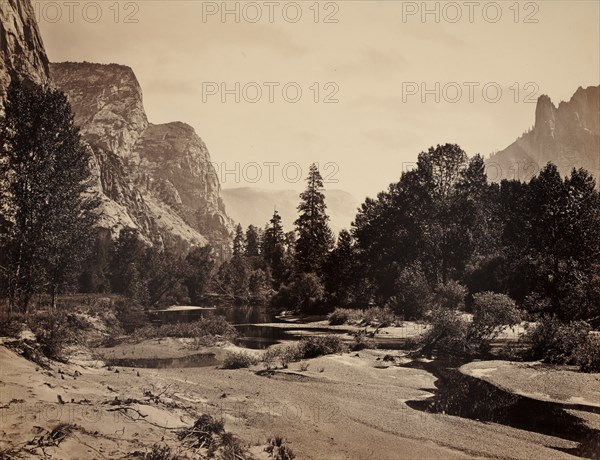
299, 229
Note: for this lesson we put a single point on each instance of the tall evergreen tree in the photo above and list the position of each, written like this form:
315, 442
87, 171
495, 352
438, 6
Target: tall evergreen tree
252, 242
239, 242
315, 239
44, 170
273, 249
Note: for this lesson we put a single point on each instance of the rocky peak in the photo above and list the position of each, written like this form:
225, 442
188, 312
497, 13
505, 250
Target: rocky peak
568, 136
22, 51
157, 178
107, 101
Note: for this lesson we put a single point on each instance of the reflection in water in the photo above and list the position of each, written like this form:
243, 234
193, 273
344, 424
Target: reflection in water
197, 360
464, 396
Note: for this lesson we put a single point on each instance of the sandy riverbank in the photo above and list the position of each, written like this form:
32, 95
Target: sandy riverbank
350, 406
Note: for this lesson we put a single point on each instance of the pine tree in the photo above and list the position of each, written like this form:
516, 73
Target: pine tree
314, 235
239, 243
45, 172
252, 242
273, 249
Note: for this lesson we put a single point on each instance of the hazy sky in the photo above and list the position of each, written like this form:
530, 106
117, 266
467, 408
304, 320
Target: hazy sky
374, 57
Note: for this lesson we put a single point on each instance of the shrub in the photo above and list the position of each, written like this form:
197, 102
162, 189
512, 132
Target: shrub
587, 354
11, 325
238, 360
450, 295
380, 316
205, 432
491, 311
555, 342
362, 341
312, 347
208, 326
413, 293
53, 331
279, 450
447, 333
340, 316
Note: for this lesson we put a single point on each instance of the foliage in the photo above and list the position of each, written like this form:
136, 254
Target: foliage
278, 449
305, 293
345, 316
47, 216
209, 326
238, 360
450, 295
491, 312
587, 354
315, 239
239, 242
362, 341
555, 342
53, 330
320, 345
199, 265
413, 295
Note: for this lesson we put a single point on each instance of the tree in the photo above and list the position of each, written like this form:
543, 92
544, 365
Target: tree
315, 239
273, 249
239, 242
127, 266
200, 263
341, 270
45, 174
252, 242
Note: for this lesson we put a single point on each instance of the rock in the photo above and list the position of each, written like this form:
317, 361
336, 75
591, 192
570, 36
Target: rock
568, 136
22, 50
156, 178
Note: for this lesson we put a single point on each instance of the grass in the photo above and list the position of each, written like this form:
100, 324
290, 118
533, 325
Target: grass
279, 450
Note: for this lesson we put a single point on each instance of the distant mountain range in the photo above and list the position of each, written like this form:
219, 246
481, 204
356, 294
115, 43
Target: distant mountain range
250, 205
567, 135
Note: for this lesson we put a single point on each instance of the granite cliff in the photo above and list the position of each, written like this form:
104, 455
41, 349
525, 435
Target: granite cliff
567, 135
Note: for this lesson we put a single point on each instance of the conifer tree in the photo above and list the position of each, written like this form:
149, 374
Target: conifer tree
315, 239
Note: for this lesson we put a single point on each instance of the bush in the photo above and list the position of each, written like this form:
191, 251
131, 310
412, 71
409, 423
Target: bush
587, 354
312, 347
413, 293
306, 348
209, 326
447, 333
380, 316
491, 312
361, 341
238, 360
279, 450
450, 295
341, 316
555, 342
53, 331
12, 324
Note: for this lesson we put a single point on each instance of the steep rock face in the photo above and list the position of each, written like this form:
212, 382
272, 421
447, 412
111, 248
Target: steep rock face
568, 136
157, 178
22, 51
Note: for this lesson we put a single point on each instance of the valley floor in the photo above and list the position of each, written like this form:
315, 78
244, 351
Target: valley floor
350, 406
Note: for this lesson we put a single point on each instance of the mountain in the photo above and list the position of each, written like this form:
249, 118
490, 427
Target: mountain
156, 178
567, 135
22, 53
249, 205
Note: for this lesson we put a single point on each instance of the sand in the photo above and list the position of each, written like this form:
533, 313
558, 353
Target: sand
349, 406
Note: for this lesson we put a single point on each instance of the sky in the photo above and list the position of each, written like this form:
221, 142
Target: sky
361, 87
